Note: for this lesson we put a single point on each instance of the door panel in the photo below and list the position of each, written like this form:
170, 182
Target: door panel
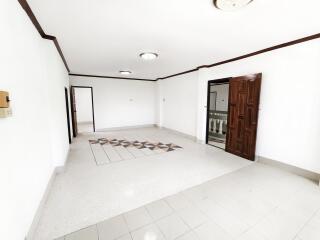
244, 95
242, 98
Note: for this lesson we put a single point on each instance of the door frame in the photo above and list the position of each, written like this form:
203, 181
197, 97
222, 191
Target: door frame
68, 112
220, 81
92, 104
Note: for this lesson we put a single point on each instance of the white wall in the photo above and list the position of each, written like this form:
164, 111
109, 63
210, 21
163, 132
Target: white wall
222, 96
120, 103
178, 103
34, 140
84, 104
289, 117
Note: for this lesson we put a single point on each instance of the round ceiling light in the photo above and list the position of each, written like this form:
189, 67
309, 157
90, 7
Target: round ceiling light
149, 56
230, 5
125, 72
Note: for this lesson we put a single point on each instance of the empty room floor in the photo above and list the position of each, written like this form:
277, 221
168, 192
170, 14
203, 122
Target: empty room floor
193, 192
85, 127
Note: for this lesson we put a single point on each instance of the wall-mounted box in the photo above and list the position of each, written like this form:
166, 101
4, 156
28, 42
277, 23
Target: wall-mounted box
4, 99
5, 112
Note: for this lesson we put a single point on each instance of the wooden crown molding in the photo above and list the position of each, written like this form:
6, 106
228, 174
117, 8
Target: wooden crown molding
99, 76
24, 4
300, 40
37, 25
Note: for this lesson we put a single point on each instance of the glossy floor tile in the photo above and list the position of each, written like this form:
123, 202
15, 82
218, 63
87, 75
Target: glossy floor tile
85, 127
202, 216
198, 193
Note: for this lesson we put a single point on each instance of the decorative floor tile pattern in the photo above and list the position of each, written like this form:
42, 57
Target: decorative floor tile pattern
110, 150
249, 192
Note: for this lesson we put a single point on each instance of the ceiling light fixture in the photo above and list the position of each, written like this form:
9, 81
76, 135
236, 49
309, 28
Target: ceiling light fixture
149, 56
125, 72
230, 5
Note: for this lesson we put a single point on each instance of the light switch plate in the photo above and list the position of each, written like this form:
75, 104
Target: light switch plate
5, 112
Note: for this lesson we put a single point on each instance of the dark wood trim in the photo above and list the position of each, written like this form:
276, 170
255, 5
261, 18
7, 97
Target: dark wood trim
92, 104
73, 110
24, 4
93, 118
97, 76
297, 41
181, 73
37, 25
68, 115
212, 83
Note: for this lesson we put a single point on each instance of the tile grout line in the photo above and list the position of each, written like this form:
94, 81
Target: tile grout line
93, 155
127, 225
154, 221
305, 224
105, 153
210, 219
134, 146
97, 231
111, 137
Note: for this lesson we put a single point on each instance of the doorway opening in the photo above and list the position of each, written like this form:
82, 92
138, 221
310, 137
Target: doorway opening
82, 109
232, 114
217, 112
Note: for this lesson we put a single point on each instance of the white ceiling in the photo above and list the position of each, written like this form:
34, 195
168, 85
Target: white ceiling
101, 37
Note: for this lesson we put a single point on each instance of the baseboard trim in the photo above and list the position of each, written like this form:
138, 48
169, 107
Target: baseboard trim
125, 127
193, 138
289, 168
36, 219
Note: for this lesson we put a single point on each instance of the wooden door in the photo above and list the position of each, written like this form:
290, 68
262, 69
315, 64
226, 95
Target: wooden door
73, 112
244, 96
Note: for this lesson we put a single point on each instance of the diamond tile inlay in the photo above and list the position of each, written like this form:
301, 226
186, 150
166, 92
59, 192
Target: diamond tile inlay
140, 145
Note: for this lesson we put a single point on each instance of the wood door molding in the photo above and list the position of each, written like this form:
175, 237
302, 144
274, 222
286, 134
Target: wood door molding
243, 110
73, 112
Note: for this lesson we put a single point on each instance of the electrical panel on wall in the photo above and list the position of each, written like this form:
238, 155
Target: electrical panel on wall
5, 110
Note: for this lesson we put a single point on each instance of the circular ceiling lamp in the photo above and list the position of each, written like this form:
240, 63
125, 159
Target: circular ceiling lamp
230, 5
125, 72
149, 55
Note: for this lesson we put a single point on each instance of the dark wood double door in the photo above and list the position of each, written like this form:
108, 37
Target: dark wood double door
243, 109
244, 96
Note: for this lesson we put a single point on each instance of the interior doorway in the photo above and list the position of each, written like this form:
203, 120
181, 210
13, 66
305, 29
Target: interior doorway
217, 112
82, 109
232, 114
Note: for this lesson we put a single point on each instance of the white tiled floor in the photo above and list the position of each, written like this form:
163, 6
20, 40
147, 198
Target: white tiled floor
196, 194
85, 127
246, 216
